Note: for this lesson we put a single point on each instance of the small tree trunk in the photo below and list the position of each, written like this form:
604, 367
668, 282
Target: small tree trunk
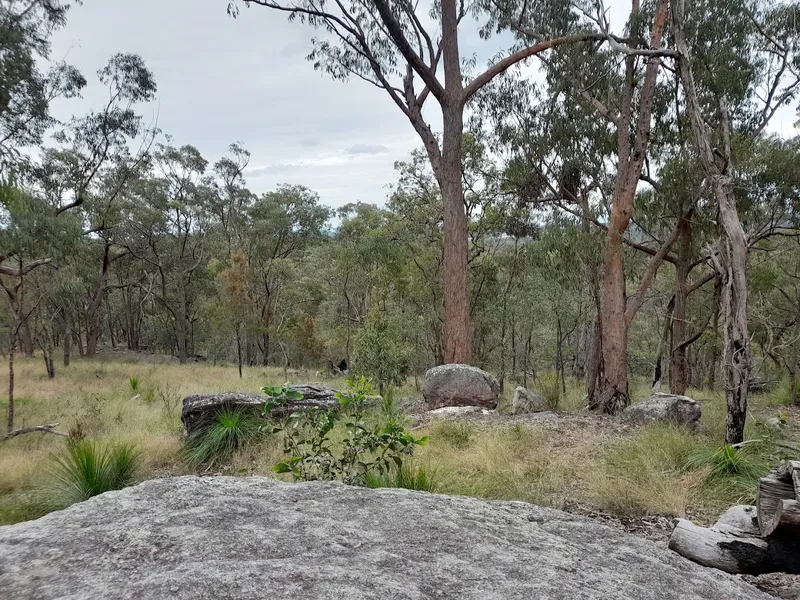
10, 419
26, 340
67, 338
678, 380
239, 348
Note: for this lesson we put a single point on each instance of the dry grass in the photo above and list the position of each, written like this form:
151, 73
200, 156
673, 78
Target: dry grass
592, 463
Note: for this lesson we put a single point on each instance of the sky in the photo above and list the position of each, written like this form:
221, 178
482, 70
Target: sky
223, 80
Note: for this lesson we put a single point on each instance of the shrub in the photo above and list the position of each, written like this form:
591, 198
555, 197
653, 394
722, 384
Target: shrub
88, 469
457, 434
407, 476
134, 383
226, 432
549, 387
367, 449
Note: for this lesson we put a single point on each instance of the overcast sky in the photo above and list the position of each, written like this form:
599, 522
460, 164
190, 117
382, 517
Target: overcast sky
223, 80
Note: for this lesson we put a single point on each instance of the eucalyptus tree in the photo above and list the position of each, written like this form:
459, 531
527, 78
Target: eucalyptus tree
393, 46
92, 165
25, 90
167, 231
280, 227
758, 74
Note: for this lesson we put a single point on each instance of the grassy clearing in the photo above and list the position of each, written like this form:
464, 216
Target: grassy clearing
590, 463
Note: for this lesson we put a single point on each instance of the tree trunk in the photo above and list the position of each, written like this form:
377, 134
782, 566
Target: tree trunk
26, 340
678, 380
94, 318
457, 326
239, 348
67, 338
10, 419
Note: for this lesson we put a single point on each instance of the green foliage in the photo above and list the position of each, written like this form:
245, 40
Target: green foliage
134, 383
727, 461
408, 476
226, 432
380, 352
367, 448
88, 469
549, 386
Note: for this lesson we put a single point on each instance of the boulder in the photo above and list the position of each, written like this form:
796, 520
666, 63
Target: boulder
251, 538
668, 408
198, 408
460, 385
526, 402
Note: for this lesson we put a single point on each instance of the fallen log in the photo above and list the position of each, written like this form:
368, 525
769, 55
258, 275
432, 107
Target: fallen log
732, 552
751, 539
51, 428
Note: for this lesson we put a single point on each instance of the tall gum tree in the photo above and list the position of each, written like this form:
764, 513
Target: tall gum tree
386, 44
770, 79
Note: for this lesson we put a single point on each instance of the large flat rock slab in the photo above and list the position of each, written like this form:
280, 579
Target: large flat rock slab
257, 538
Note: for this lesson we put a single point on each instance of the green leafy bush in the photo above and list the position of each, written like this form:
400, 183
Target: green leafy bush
227, 431
88, 469
380, 351
367, 448
407, 476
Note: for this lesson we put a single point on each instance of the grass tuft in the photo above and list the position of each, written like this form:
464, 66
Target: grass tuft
88, 469
228, 431
408, 476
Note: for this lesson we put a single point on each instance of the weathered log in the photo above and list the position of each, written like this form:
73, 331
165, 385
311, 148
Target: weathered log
786, 520
732, 552
771, 490
198, 409
796, 484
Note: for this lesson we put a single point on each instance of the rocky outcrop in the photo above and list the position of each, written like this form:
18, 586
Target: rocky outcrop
198, 408
526, 402
667, 408
251, 538
460, 385
254, 538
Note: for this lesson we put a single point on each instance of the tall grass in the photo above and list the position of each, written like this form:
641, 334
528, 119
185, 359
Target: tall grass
87, 469
644, 473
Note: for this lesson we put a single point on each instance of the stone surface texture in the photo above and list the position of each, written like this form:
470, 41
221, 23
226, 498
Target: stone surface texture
526, 402
460, 385
256, 538
681, 410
